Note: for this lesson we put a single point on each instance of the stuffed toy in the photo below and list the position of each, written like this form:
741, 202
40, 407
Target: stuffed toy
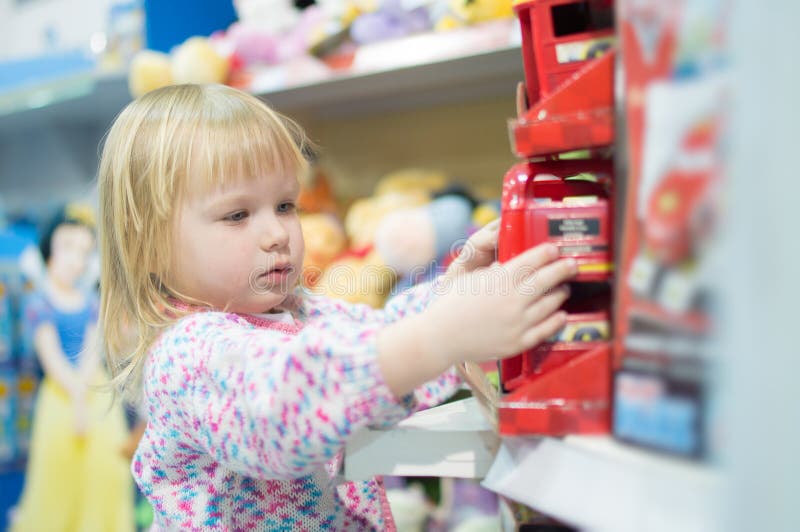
418, 243
363, 216
358, 277
149, 70
390, 21
194, 61
457, 13
316, 194
361, 274
325, 240
273, 31
197, 61
411, 180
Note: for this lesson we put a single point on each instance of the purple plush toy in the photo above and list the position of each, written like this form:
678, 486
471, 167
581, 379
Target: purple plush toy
390, 21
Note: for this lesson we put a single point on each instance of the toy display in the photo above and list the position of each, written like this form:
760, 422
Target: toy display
19, 370
563, 386
77, 432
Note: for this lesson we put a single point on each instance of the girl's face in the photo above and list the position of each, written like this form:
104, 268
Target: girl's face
70, 248
240, 246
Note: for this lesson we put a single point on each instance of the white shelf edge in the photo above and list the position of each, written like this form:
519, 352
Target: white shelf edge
596, 483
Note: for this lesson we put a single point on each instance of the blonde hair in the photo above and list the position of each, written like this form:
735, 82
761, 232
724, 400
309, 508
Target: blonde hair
212, 133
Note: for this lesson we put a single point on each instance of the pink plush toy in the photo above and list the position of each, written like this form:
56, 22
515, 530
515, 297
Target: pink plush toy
417, 243
272, 31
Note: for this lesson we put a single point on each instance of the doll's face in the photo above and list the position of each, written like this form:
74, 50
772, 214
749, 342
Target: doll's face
70, 249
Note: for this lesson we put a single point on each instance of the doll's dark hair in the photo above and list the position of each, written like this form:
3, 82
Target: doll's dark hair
71, 214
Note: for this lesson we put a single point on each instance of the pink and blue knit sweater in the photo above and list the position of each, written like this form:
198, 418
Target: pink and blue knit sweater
248, 418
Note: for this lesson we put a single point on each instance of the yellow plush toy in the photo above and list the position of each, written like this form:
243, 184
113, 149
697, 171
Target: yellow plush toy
194, 61
358, 278
463, 12
149, 71
411, 181
325, 240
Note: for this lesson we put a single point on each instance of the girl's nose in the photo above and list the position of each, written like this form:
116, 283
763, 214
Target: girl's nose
274, 236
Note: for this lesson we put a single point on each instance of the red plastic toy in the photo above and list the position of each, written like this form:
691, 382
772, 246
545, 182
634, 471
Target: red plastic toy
559, 37
539, 206
569, 97
574, 398
588, 326
563, 386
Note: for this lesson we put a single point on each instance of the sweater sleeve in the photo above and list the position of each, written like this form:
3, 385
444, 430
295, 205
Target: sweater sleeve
408, 302
411, 301
266, 404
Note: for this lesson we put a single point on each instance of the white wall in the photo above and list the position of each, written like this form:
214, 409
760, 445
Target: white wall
761, 383
23, 26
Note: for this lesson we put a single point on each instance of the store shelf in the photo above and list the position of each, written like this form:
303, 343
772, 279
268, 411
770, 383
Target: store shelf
493, 73
450, 440
595, 483
420, 70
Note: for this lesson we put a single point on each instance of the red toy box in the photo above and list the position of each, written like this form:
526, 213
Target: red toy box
543, 202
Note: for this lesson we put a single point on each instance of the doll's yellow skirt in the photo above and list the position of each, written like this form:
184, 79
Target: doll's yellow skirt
76, 483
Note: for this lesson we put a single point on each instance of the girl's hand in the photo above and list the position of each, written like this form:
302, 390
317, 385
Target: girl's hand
493, 311
498, 311
480, 251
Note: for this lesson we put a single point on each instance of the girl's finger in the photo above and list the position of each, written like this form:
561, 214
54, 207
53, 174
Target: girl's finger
546, 305
486, 238
544, 329
528, 262
541, 281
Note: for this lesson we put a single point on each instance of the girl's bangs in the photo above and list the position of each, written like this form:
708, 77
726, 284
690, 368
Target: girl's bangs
243, 146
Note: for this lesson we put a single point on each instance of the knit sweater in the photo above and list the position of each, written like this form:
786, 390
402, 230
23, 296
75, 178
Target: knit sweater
248, 418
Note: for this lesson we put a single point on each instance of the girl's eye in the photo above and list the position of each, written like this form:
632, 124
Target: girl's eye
286, 206
237, 216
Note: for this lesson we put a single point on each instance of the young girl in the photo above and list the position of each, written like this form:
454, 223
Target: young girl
252, 386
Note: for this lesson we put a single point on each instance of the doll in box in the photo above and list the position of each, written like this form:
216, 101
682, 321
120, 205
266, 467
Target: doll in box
76, 478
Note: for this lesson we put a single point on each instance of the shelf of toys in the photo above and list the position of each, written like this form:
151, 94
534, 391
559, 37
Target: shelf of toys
423, 69
643, 464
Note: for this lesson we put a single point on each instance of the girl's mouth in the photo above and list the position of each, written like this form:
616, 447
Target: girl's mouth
276, 276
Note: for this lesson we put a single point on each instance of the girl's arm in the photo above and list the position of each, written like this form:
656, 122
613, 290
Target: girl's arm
478, 253
410, 301
266, 404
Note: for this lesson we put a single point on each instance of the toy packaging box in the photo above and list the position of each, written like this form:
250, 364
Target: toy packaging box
674, 97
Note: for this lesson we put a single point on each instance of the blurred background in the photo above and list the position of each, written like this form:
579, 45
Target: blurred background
648, 139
